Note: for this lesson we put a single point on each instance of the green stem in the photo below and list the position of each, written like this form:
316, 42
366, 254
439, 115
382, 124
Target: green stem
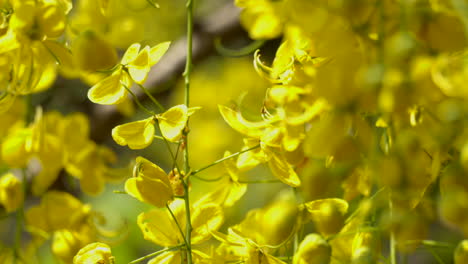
223, 159
177, 224
20, 219
260, 181
137, 101
155, 254
207, 180
435, 255
256, 44
159, 105
185, 182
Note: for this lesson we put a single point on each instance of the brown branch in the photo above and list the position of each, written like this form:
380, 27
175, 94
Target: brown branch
222, 23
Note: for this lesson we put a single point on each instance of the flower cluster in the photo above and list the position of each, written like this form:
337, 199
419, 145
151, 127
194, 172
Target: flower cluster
361, 129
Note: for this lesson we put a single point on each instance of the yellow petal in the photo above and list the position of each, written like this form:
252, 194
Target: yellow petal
51, 21
167, 258
283, 170
91, 52
94, 253
57, 210
150, 184
111, 90
154, 192
328, 214
61, 54
314, 249
173, 121
131, 53
237, 122
318, 107
6, 101
157, 52
8, 42
65, 244
92, 183
206, 218
158, 227
14, 152
137, 135
139, 67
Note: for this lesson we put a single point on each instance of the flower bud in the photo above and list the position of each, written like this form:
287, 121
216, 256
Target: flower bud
175, 178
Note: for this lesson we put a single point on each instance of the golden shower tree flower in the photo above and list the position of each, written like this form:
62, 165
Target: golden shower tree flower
328, 214
137, 135
230, 190
159, 227
253, 243
313, 249
94, 253
149, 184
134, 67
66, 243
58, 210
140, 134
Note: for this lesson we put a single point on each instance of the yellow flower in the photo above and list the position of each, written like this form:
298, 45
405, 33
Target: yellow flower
262, 18
150, 184
111, 90
94, 253
366, 248
159, 227
92, 52
328, 214
11, 192
314, 249
137, 135
57, 210
138, 62
134, 66
229, 190
66, 243
140, 134
173, 121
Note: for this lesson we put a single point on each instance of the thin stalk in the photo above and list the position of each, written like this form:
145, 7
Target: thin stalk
20, 219
392, 236
260, 181
155, 254
435, 255
208, 180
223, 159
185, 182
158, 105
177, 223
137, 101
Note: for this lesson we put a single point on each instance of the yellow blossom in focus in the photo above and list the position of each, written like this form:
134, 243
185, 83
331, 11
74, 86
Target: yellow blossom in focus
94, 253
149, 184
